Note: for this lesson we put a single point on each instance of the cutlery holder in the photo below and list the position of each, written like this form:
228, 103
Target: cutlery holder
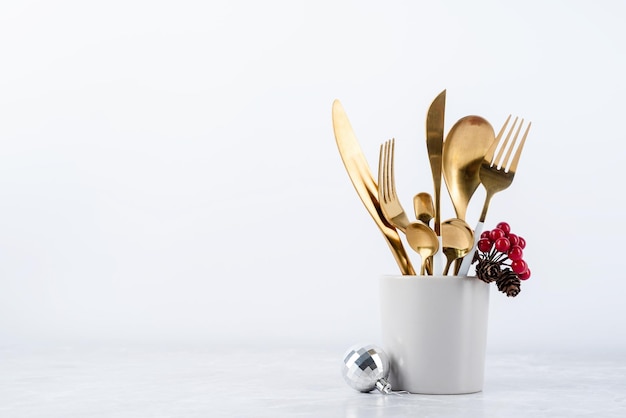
434, 331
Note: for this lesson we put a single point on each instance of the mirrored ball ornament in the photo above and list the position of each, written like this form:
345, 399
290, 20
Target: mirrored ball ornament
366, 367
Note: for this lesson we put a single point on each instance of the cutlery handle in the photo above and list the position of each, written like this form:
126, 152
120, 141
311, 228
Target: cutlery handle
399, 254
439, 260
467, 260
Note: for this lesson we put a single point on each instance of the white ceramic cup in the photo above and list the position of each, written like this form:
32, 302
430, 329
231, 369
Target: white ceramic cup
434, 331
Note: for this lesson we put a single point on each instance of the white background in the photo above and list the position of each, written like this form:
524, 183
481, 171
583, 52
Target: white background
168, 170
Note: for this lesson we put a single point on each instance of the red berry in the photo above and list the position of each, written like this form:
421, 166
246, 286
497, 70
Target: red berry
515, 252
503, 245
522, 242
524, 275
519, 266
496, 234
514, 239
486, 235
505, 227
484, 245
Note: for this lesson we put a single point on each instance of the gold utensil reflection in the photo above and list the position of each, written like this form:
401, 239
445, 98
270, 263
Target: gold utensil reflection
434, 144
465, 146
367, 189
389, 202
423, 207
420, 237
423, 241
424, 211
458, 240
496, 174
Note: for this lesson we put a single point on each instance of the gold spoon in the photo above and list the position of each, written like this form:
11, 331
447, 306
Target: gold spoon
458, 240
424, 211
463, 151
424, 208
423, 241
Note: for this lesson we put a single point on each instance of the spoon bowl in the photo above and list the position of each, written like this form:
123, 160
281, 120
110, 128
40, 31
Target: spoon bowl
424, 211
423, 241
424, 207
463, 151
458, 240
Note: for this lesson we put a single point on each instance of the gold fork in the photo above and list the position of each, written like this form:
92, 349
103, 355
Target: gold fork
496, 175
421, 238
389, 202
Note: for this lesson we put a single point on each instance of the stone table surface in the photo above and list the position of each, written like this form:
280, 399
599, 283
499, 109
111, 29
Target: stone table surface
160, 381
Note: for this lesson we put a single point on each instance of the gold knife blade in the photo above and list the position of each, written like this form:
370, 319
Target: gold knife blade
365, 185
434, 144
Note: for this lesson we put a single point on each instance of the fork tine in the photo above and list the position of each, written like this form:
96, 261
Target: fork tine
381, 178
510, 150
492, 149
392, 174
385, 188
519, 150
506, 122
386, 171
389, 192
496, 162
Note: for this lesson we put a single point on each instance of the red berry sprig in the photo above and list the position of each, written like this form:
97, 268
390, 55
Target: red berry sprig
505, 248
500, 258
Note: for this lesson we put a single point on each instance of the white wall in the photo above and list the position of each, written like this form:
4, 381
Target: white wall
168, 170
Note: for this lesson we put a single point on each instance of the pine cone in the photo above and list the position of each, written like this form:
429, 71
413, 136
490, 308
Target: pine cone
508, 283
487, 270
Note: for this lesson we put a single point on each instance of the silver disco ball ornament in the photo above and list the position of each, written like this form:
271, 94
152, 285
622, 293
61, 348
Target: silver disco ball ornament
366, 367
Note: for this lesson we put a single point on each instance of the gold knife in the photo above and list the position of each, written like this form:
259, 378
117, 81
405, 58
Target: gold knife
365, 185
434, 144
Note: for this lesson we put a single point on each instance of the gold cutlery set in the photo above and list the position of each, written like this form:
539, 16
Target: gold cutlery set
469, 155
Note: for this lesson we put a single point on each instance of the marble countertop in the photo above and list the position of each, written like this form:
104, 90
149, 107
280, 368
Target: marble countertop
157, 381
